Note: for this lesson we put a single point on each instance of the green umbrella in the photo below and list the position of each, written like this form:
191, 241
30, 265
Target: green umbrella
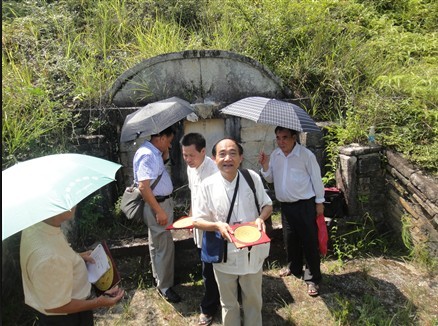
37, 189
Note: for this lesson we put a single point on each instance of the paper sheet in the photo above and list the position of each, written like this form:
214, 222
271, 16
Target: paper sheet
101, 265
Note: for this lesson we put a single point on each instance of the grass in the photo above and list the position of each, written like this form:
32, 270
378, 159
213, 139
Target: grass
359, 64
366, 288
350, 296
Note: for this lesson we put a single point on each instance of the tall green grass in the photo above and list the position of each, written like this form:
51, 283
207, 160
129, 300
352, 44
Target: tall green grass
359, 63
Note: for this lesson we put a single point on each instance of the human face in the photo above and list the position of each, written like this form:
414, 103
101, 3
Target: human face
228, 158
165, 143
58, 219
192, 157
285, 141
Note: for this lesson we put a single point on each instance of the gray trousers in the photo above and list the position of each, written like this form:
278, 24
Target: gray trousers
251, 286
161, 246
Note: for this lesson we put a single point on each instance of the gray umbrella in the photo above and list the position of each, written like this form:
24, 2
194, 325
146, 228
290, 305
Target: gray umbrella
154, 118
272, 112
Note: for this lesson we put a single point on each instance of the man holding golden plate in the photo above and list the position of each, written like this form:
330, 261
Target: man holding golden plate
242, 267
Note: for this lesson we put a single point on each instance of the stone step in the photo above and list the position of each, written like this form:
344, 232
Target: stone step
183, 239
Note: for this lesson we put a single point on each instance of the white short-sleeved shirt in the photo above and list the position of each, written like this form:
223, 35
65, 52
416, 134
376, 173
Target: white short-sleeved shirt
213, 202
53, 273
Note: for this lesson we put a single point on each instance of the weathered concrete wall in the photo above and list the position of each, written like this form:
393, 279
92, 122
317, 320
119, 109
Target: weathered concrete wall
413, 196
382, 184
209, 80
360, 175
196, 76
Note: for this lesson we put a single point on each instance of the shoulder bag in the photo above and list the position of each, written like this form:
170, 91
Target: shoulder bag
132, 202
214, 247
250, 181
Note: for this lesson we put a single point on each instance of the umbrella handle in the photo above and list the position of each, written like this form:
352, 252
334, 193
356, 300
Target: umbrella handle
262, 149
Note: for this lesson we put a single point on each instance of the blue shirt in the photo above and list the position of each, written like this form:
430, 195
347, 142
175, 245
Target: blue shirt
148, 165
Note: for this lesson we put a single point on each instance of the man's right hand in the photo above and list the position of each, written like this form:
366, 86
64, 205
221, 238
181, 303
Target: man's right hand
111, 297
264, 160
225, 230
161, 217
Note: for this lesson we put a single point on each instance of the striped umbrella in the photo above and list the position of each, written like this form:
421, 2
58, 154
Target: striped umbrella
272, 112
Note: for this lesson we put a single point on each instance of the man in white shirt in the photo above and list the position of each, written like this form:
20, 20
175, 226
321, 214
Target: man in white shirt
200, 166
243, 267
298, 187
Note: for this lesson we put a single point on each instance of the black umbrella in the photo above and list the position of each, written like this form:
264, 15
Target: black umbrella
154, 118
272, 112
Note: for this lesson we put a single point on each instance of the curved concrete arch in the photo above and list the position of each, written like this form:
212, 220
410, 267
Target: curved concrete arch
196, 76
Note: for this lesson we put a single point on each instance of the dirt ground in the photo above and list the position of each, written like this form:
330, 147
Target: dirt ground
387, 287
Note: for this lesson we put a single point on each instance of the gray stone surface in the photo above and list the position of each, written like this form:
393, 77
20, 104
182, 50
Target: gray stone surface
195, 76
394, 192
412, 197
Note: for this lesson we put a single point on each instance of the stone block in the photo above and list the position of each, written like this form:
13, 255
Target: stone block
256, 132
312, 139
397, 175
427, 185
369, 164
205, 110
399, 163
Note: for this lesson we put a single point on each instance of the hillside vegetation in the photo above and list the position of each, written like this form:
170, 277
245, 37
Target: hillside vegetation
358, 63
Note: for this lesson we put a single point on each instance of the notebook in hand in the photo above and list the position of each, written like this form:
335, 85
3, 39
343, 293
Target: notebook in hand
111, 276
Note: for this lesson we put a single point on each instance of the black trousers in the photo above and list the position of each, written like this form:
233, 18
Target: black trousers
84, 318
211, 300
300, 235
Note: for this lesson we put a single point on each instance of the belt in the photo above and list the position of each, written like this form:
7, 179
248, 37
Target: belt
296, 202
285, 203
160, 199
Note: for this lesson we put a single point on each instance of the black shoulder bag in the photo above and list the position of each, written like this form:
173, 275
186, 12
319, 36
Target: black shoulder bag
250, 182
214, 247
132, 202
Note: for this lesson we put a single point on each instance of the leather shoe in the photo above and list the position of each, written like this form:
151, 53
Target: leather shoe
205, 320
170, 295
285, 272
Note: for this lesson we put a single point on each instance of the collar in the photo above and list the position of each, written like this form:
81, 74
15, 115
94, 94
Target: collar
201, 166
152, 147
231, 184
295, 151
46, 228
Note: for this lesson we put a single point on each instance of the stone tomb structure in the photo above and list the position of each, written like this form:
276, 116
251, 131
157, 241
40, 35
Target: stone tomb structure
209, 80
